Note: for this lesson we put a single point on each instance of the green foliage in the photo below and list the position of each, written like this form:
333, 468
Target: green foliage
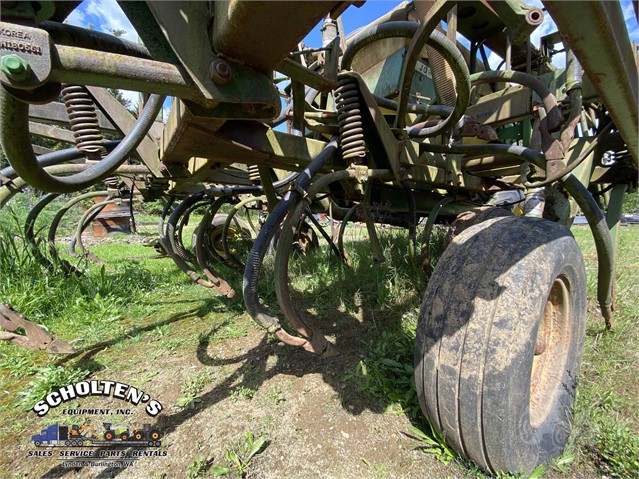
240, 457
48, 379
631, 203
387, 371
192, 386
380, 470
199, 466
432, 443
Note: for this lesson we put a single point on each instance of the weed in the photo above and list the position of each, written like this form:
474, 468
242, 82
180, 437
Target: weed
243, 392
47, 380
387, 371
239, 458
192, 386
198, 467
274, 395
432, 444
616, 448
380, 470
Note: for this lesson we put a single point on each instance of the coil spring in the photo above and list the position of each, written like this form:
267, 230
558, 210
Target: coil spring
349, 118
83, 119
254, 174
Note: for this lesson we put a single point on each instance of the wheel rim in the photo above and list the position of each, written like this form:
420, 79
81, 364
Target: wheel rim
551, 351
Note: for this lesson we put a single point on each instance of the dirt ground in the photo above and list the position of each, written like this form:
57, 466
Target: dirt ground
316, 423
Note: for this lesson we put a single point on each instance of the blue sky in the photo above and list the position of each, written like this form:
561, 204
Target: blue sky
106, 15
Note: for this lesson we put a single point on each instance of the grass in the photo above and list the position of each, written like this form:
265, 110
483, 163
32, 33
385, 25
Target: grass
192, 386
136, 303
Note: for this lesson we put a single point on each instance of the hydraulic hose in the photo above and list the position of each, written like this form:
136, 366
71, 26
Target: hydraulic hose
553, 117
588, 205
16, 144
444, 47
603, 243
55, 158
256, 256
72, 36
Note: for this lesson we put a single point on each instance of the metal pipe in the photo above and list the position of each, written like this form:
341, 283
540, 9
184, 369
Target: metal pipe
90, 67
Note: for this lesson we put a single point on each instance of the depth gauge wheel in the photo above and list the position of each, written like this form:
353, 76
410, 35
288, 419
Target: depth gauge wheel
499, 342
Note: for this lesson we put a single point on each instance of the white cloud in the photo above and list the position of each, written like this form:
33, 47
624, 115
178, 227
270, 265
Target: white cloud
105, 16
77, 18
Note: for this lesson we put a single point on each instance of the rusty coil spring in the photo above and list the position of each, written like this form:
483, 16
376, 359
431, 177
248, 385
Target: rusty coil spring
254, 174
83, 119
349, 118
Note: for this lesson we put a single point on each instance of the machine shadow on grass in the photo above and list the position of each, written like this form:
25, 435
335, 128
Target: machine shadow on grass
345, 327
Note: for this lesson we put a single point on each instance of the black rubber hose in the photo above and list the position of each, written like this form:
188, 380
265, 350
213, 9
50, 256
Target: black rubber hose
588, 205
603, 243
254, 262
72, 36
16, 144
438, 41
57, 157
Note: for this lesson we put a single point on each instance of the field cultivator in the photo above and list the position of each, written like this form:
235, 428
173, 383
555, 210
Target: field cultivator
402, 120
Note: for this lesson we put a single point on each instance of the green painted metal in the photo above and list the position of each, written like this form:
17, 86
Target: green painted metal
15, 67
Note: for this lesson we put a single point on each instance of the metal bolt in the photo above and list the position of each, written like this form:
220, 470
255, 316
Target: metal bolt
220, 72
15, 67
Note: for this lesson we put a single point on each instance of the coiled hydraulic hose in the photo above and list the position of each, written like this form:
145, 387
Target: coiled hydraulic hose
17, 147
256, 256
439, 42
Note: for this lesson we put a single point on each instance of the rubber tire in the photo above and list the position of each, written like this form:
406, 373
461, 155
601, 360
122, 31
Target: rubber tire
109, 435
476, 341
154, 434
217, 223
125, 436
37, 443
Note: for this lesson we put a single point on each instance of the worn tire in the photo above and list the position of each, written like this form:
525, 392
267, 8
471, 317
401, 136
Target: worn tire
504, 290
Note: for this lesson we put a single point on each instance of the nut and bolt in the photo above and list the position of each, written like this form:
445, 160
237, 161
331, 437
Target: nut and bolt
220, 72
15, 67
